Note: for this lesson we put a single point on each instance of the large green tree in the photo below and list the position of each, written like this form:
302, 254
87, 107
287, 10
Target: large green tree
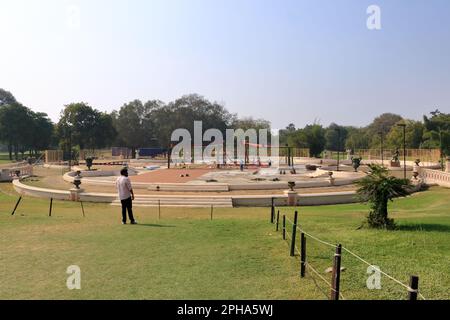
83, 126
335, 136
21, 129
312, 137
134, 125
413, 135
437, 131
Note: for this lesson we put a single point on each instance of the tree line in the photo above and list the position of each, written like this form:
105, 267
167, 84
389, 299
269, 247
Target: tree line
150, 124
431, 133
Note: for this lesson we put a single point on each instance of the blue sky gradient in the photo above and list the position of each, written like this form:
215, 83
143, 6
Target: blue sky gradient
285, 61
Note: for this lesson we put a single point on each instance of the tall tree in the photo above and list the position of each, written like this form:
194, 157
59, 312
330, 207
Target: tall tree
312, 137
437, 131
335, 136
413, 137
83, 126
134, 125
15, 127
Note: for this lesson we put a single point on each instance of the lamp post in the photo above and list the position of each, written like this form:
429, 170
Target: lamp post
441, 154
403, 125
381, 147
339, 147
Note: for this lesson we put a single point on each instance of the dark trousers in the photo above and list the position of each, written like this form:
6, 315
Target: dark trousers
127, 205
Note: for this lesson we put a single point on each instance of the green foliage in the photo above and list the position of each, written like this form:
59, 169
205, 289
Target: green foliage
335, 137
312, 137
357, 138
24, 130
413, 135
82, 125
378, 188
6, 98
437, 131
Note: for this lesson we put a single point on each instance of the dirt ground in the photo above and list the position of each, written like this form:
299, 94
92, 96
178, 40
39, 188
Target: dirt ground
170, 176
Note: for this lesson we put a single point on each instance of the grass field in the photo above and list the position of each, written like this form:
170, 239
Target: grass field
238, 255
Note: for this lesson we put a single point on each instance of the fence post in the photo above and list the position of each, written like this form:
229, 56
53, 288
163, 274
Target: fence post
294, 232
336, 276
82, 208
414, 285
302, 255
278, 219
211, 212
272, 212
50, 209
17, 204
284, 227
159, 209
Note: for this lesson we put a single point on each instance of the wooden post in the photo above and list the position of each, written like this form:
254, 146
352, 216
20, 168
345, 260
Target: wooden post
50, 209
414, 285
278, 219
82, 208
302, 255
336, 275
272, 212
284, 227
211, 212
17, 204
294, 232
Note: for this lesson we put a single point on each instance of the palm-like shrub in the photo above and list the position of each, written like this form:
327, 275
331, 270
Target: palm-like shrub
378, 188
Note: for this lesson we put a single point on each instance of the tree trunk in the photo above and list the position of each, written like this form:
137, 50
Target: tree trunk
16, 152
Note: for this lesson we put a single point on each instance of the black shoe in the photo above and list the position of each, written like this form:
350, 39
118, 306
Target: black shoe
124, 222
133, 222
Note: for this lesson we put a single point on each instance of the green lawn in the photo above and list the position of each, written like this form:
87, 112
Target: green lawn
238, 255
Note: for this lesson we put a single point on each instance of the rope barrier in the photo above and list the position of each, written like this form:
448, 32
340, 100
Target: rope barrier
384, 273
317, 239
408, 288
322, 278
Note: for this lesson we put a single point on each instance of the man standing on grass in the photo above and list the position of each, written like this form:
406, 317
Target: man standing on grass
126, 196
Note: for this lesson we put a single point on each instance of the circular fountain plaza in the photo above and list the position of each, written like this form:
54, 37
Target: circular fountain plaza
308, 182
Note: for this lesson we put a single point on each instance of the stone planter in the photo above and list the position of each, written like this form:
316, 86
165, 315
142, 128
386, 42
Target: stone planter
75, 194
292, 197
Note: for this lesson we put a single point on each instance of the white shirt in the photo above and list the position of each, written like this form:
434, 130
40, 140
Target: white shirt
123, 186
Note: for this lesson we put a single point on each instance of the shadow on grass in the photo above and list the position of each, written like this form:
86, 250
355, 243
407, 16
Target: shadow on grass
423, 227
153, 225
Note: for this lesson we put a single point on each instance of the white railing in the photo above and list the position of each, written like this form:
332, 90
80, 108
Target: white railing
430, 176
9, 173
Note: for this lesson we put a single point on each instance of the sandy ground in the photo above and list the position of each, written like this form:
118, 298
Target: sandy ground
170, 176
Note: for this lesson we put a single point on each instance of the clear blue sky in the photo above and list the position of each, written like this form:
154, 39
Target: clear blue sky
285, 61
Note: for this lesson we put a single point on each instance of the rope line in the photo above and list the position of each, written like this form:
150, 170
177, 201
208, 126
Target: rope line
317, 239
384, 273
323, 278
319, 287
288, 220
408, 288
